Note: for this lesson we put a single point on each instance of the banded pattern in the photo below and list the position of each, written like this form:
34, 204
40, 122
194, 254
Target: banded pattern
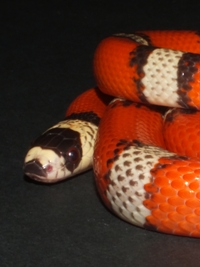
160, 77
128, 176
148, 74
140, 181
136, 176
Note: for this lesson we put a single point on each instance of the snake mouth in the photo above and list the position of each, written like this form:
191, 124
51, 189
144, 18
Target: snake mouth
40, 173
35, 170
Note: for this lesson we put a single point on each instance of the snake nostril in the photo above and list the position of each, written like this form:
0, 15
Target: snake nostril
34, 169
48, 168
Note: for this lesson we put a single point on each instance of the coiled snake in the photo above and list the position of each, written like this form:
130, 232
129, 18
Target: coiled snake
147, 139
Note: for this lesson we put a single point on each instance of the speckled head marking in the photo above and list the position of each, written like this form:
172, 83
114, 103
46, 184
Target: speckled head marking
62, 151
64, 142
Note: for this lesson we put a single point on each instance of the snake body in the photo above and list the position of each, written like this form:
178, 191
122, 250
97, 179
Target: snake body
146, 158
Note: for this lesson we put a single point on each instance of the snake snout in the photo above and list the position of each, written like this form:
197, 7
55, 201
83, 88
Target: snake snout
36, 170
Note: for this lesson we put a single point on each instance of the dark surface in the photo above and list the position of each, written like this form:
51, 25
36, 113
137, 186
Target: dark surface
46, 60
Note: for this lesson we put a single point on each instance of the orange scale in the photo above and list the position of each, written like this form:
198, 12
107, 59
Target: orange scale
109, 154
178, 184
176, 217
193, 203
166, 207
168, 191
197, 171
179, 231
110, 146
195, 165
188, 176
171, 174
167, 226
198, 226
190, 151
197, 211
158, 214
186, 193
190, 126
196, 148
158, 198
191, 138
195, 185
176, 201
187, 149
184, 169
184, 210
186, 227
161, 181
192, 218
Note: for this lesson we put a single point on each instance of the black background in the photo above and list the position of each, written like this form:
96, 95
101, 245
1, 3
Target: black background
46, 51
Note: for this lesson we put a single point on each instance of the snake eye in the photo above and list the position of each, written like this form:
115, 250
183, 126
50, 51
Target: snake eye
73, 157
73, 154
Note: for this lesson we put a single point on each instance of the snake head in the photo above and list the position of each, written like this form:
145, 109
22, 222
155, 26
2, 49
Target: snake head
62, 151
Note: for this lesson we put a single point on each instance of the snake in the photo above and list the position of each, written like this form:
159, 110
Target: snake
139, 128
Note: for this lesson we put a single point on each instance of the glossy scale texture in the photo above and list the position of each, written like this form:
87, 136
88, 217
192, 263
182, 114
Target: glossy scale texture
172, 193
121, 67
